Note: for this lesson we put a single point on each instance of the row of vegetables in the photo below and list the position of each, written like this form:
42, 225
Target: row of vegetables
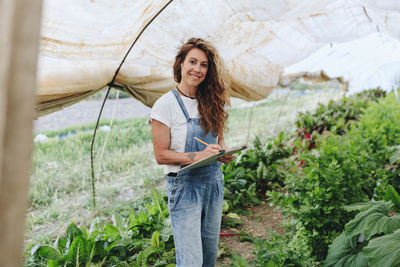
340, 187
343, 154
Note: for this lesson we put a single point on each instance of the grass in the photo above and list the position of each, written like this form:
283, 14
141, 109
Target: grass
60, 191
275, 114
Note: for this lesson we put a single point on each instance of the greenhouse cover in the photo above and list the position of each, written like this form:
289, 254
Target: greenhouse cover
264, 44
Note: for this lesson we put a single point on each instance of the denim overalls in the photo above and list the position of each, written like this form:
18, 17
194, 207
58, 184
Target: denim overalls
195, 202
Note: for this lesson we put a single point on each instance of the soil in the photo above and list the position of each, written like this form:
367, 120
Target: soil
262, 218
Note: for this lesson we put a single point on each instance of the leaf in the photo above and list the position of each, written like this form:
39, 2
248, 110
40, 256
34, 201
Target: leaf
118, 221
155, 239
384, 251
52, 263
110, 232
232, 219
97, 250
225, 206
35, 250
156, 199
61, 244
141, 259
392, 195
166, 231
264, 171
395, 157
259, 170
271, 264
121, 252
375, 220
84, 231
344, 252
363, 206
118, 263
78, 252
73, 231
238, 261
48, 252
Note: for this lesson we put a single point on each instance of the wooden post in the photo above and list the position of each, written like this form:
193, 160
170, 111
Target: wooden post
19, 42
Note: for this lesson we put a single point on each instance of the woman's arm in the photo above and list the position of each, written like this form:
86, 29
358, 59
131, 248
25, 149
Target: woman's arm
221, 142
162, 140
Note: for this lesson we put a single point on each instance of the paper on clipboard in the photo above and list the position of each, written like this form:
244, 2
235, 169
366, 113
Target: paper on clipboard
212, 158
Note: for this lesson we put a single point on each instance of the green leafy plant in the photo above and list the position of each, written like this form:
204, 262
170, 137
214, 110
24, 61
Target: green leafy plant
143, 239
238, 261
291, 249
336, 116
384, 251
343, 169
76, 249
366, 239
254, 171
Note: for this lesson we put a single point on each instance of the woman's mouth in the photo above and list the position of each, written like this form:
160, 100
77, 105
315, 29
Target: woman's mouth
195, 77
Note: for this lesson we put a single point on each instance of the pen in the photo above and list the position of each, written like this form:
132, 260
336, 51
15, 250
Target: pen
201, 141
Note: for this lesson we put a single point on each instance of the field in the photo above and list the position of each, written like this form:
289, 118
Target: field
125, 168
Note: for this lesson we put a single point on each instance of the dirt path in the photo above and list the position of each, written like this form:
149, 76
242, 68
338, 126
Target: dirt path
87, 111
261, 219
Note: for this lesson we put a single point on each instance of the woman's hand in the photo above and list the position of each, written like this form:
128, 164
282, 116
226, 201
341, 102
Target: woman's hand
228, 158
161, 143
210, 150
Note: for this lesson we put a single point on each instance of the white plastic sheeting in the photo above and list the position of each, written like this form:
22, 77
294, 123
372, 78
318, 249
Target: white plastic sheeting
84, 41
364, 63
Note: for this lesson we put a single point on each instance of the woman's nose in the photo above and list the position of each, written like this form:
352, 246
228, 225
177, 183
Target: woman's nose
197, 67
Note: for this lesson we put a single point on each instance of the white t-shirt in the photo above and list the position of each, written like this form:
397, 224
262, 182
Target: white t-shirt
167, 110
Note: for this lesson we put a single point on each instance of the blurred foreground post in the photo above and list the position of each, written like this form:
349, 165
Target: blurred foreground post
19, 42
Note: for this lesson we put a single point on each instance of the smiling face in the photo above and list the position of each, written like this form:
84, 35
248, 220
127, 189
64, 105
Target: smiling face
194, 68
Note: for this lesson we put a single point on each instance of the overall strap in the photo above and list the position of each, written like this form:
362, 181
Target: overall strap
180, 102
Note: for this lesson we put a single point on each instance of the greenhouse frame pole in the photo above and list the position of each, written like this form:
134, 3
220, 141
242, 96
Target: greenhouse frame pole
19, 44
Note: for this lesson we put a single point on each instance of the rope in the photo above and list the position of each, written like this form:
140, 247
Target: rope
111, 84
250, 120
223, 234
108, 134
280, 109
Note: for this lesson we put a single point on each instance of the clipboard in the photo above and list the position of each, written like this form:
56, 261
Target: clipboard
212, 158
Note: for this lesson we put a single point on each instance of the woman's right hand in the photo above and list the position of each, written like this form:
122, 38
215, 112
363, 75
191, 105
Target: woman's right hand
210, 150
161, 143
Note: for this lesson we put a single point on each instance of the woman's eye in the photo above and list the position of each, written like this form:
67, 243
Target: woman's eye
192, 62
204, 65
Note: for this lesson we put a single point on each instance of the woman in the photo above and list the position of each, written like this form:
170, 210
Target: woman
194, 109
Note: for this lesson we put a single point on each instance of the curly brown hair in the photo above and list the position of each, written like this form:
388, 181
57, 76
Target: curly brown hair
212, 93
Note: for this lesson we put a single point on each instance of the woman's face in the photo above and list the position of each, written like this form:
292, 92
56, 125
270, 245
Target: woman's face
194, 68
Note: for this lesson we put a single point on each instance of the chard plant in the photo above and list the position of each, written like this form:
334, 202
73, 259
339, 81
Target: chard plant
255, 171
336, 117
144, 239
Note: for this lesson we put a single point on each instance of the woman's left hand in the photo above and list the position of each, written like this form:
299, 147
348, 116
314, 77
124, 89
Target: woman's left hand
226, 159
